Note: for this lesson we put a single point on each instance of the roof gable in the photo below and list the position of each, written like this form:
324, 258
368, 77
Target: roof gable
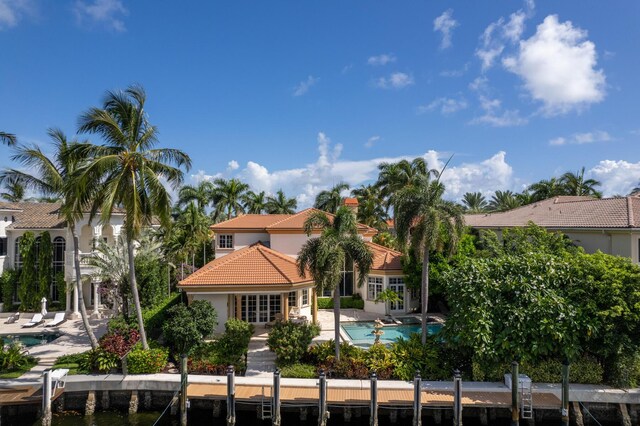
384, 258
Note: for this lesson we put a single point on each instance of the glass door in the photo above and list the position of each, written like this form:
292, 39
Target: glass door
397, 285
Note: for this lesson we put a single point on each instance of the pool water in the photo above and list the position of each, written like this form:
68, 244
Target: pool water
361, 332
30, 339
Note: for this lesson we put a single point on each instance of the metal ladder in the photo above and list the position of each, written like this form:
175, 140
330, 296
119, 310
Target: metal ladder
526, 401
266, 406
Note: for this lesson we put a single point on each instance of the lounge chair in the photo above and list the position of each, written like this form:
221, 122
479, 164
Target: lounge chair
57, 320
277, 318
37, 319
13, 318
294, 312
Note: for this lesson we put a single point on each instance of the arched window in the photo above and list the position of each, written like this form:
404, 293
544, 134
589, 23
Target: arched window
59, 247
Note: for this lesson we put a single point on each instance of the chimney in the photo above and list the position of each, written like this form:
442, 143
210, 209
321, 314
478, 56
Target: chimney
351, 204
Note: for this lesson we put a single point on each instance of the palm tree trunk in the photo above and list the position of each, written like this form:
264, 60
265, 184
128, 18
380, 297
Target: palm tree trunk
425, 293
134, 292
78, 284
336, 319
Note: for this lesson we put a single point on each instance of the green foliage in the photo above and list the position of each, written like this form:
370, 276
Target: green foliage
152, 280
346, 302
28, 288
411, 355
205, 317
584, 370
299, 371
13, 358
151, 361
8, 283
100, 360
290, 340
386, 239
187, 326
229, 349
62, 290
625, 371
153, 318
45, 265
74, 363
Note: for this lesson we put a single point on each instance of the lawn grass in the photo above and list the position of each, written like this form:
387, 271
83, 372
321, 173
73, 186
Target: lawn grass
14, 374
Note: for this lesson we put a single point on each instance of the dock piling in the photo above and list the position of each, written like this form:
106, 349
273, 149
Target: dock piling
322, 402
373, 419
184, 378
46, 398
231, 396
457, 398
417, 401
564, 412
276, 398
515, 394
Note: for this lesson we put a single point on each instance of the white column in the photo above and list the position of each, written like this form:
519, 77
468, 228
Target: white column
117, 229
97, 234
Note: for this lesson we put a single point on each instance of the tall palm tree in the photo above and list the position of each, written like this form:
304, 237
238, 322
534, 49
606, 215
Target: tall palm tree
576, 184
192, 231
324, 257
503, 200
474, 202
421, 217
228, 196
55, 177
202, 194
395, 176
15, 190
8, 139
129, 171
370, 207
330, 200
280, 204
254, 202
547, 188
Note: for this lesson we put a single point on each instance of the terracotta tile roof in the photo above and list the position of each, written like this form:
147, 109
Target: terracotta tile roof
384, 258
252, 265
34, 215
566, 212
350, 202
296, 222
250, 221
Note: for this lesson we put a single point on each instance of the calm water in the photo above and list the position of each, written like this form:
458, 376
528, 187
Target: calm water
31, 339
361, 332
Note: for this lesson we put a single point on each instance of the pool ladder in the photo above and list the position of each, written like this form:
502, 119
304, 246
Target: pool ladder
266, 406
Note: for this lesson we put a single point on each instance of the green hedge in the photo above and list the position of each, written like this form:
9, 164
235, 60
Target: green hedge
584, 370
346, 302
151, 361
154, 318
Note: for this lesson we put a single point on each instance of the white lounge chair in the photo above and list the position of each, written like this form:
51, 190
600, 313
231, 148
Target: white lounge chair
37, 319
57, 320
13, 318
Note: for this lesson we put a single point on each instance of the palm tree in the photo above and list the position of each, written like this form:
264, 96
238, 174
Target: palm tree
330, 200
280, 204
474, 202
254, 202
370, 207
547, 189
15, 190
422, 216
228, 196
131, 173
576, 184
55, 177
201, 194
503, 200
395, 176
8, 139
324, 257
191, 232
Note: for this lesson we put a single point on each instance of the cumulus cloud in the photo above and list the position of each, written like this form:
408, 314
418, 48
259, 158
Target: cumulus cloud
617, 177
558, 67
445, 105
373, 139
108, 13
233, 165
304, 86
445, 24
582, 138
396, 80
455, 73
492, 112
12, 11
384, 59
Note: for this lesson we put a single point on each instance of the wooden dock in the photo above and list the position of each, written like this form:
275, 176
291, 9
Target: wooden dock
298, 395
25, 395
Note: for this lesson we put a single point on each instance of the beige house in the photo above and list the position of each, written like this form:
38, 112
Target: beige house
611, 225
254, 276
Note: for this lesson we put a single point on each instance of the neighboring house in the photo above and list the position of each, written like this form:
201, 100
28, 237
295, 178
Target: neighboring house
611, 225
18, 218
254, 276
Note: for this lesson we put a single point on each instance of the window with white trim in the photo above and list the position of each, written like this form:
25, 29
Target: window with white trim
225, 241
3, 246
305, 297
374, 286
293, 299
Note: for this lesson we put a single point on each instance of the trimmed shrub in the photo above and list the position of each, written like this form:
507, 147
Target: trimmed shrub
153, 318
299, 371
150, 361
8, 283
187, 326
625, 371
346, 302
290, 340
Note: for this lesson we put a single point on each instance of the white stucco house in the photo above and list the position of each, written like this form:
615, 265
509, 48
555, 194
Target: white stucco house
254, 276
611, 225
18, 218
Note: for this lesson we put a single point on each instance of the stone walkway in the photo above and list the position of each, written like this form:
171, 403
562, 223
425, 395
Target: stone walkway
261, 362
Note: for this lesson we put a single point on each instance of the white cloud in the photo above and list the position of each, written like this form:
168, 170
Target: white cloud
455, 73
445, 24
445, 105
233, 165
103, 12
12, 11
396, 80
617, 177
384, 59
582, 138
373, 139
493, 114
304, 86
346, 69
557, 65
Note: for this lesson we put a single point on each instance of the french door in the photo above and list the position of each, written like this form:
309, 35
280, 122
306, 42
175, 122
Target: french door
259, 308
397, 285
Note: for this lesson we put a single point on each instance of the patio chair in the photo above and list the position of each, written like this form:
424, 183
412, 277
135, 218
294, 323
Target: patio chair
13, 318
37, 319
276, 319
294, 312
57, 320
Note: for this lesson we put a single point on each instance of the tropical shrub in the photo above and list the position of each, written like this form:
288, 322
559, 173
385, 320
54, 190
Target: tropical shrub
187, 326
27, 289
234, 343
154, 317
410, 355
8, 283
12, 357
151, 275
290, 340
45, 265
119, 342
151, 361
100, 360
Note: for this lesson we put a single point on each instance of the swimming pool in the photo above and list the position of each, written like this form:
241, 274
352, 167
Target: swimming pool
30, 339
361, 332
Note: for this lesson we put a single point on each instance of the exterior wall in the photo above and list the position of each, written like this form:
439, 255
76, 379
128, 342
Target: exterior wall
591, 241
635, 248
289, 244
240, 241
5, 220
621, 245
219, 303
379, 308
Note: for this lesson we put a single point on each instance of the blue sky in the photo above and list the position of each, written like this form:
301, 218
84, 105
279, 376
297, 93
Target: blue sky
300, 95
